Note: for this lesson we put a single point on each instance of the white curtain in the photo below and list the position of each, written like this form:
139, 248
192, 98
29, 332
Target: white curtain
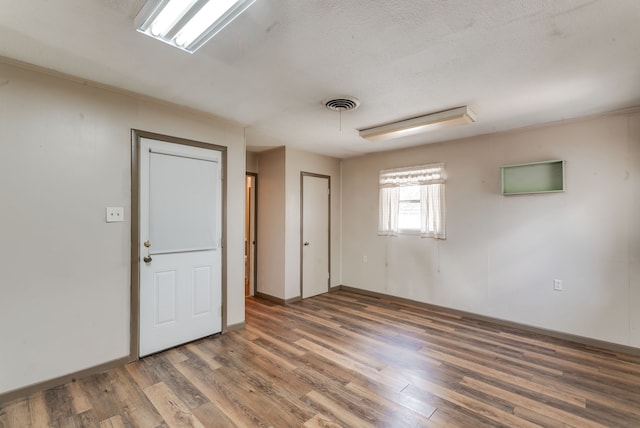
431, 179
413, 175
432, 211
388, 211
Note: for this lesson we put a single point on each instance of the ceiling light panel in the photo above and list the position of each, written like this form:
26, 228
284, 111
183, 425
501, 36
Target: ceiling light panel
187, 24
442, 119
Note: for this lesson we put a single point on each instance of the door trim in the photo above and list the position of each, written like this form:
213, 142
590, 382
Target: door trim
255, 230
328, 177
136, 135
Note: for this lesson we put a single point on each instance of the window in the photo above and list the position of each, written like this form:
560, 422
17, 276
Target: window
409, 208
412, 199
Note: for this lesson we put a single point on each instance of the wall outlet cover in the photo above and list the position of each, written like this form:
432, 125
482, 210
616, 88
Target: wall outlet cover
114, 214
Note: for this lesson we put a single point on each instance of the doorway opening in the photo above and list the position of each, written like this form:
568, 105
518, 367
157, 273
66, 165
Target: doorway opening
250, 229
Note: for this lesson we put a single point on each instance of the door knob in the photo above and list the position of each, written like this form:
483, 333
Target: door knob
147, 244
306, 244
147, 259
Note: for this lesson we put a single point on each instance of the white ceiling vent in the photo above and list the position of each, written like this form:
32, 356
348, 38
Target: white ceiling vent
341, 103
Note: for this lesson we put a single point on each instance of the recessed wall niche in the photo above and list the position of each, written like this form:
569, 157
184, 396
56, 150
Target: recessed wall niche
535, 177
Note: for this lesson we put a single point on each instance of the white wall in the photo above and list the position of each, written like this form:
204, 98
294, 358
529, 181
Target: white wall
65, 154
279, 218
502, 253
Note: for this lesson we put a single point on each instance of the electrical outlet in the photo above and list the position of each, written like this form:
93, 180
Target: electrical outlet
364, 259
557, 284
114, 214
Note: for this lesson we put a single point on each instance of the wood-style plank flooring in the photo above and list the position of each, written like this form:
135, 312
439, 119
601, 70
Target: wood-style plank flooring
344, 359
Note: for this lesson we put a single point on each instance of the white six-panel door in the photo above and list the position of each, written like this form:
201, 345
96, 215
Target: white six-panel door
180, 237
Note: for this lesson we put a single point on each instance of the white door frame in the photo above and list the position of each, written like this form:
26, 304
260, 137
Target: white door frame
136, 135
328, 178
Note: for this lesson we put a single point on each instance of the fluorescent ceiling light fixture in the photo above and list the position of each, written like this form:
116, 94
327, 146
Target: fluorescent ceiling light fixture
440, 120
187, 24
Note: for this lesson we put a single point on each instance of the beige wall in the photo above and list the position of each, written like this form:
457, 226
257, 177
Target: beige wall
252, 162
502, 254
300, 161
271, 223
279, 218
65, 156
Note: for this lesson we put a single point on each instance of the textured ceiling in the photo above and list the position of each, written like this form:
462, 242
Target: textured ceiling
515, 62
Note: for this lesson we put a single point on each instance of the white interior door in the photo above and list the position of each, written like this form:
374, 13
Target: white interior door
315, 235
180, 237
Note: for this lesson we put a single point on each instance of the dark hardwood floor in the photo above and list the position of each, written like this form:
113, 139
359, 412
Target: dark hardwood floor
344, 359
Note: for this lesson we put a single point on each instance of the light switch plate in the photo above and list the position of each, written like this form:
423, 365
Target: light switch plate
114, 214
557, 284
